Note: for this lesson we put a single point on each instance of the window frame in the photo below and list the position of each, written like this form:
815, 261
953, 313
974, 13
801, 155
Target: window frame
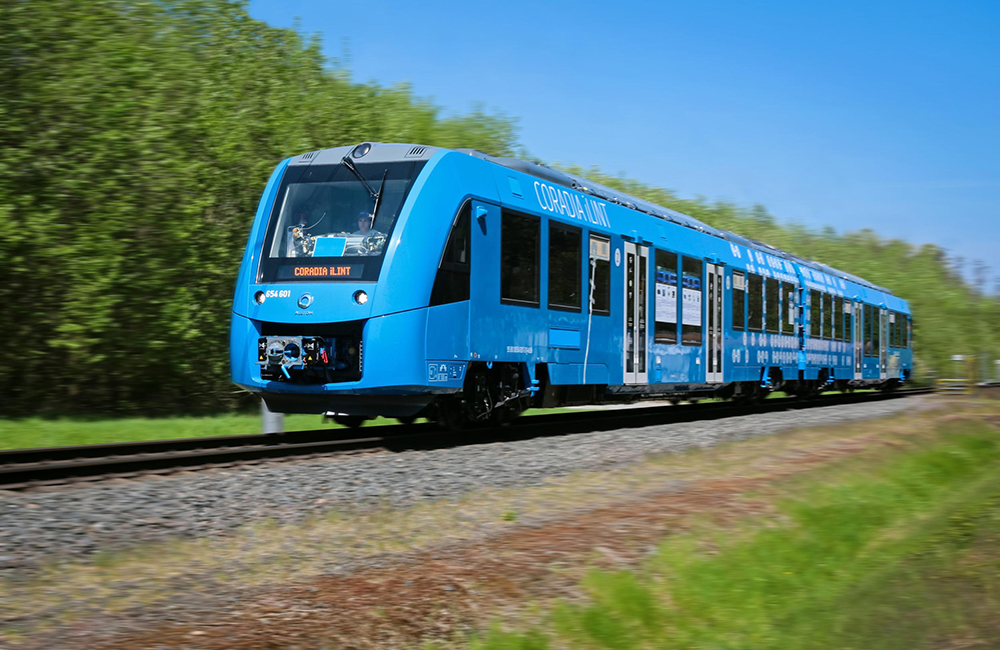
657, 337
592, 268
742, 293
750, 301
787, 302
701, 312
517, 302
768, 319
567, 228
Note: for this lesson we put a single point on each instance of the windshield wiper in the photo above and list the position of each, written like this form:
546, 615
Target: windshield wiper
354, 170
378, 197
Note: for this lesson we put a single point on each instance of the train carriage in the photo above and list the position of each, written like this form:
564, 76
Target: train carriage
406, 280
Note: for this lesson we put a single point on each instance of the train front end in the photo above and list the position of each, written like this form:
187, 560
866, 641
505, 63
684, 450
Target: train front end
313, 295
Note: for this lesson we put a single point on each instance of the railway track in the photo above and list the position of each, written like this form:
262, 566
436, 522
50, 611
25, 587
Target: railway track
31, 468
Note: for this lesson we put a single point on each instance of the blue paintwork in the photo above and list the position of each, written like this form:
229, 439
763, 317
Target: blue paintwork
411, 348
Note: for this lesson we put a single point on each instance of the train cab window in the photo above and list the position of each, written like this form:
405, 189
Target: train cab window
788, 311
739, 301
666, 297
838, 319
452, 281
691, 301
755, 315
519, 267
815, 314
564, 266
599, 272
827, 316
771, 314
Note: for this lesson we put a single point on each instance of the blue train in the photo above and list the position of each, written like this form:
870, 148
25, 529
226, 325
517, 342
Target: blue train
407, 280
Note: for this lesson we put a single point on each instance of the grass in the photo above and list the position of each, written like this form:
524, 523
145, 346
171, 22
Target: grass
24, 433
899, 552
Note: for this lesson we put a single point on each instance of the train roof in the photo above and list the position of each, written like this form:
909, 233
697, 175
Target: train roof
618, 197
385, 152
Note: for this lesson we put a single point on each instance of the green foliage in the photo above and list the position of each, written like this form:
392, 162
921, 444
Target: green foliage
853, 552
135, 139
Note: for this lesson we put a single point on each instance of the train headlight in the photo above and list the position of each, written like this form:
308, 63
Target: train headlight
259, 297
360, 297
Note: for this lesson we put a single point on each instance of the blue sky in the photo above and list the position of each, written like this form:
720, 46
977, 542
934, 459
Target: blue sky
849, 114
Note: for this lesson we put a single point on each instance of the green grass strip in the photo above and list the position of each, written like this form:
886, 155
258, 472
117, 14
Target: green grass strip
858, 559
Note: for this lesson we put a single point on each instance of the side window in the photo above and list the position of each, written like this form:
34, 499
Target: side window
666, 297
771, 303
599, 273
739, 301
755, 317
564, 266
451, 284
893, 329
815, 314
876, 331
519, 267
867, 325
909, 332
691, 303
788, 311
848, 321
838, 319
827, 316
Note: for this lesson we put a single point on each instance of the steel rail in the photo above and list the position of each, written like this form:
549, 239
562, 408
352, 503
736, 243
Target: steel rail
25, 468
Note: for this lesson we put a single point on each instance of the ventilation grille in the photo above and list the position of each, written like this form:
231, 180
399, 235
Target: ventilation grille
415, 152
308, 156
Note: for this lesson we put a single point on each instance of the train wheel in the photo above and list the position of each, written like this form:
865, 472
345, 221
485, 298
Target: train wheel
451, 416
350, 421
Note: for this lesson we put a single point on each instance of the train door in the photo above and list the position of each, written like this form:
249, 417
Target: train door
883, 343
713, 318
634, 353
858, 338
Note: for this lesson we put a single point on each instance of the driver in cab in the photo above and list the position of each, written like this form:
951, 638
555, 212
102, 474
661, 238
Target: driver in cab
364, 223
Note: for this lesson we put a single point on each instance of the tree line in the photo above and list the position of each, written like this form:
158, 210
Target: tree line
135, 139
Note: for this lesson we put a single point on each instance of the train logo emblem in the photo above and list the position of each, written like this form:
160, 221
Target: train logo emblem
305, 300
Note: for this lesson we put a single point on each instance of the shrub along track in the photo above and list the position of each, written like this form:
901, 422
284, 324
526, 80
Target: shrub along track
27, 468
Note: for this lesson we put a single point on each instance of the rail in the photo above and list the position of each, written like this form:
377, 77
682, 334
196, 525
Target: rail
28, 468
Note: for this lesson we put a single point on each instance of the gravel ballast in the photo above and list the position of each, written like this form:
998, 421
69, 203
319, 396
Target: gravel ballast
76, 522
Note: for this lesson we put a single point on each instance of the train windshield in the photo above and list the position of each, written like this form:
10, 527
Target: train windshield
328, 225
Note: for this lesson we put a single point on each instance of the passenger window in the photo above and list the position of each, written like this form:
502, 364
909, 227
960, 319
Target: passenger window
893, 324
519, 267
788, 311
827, 316
564, 266
600, 270
771, 303
876, 331
867, 325
739, 301
838, 319
691, 301
909, 332
815, 314
755, 317
848, 320
666, 297
452, 281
